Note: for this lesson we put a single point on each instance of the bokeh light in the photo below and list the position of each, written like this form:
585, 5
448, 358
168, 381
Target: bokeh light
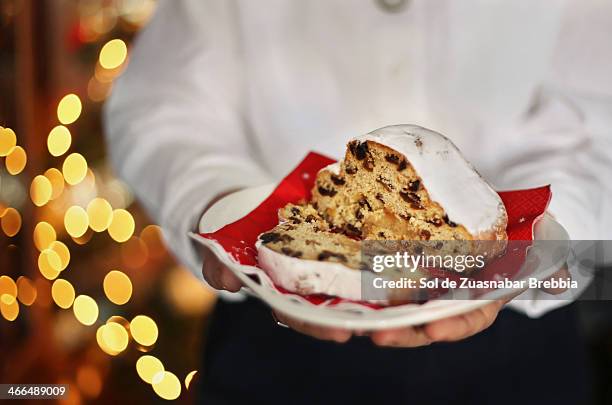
147, 367
100, 214
151, 235
166, 385
9, 307
102, 343
7, 286
122, 225
59, 140
89, 381
189, 377
40, 190
63, 293
115, 337
69, 109
8, 140
44, 235
56, 178
49, 264
113, 54
144, 330
74, 168
26, 291
117, 287
76, 221
16, 161
10, 222
62, 251
85, 309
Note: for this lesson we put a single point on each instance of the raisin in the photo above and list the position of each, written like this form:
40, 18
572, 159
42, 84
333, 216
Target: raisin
359, 149
385, 182
310, 218
295, 210
435, 221
449, 222
352, 230
327, 191
402, 165
368, 164
351, 170
425, 234
392, 159
286, 238
381, 234
291, 252
406, 216
410, 197
358, 214
295, 220
337, 180
326, 254
380, 198
414, 185
365, 203
269, 237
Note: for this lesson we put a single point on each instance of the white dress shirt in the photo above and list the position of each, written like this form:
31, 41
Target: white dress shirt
224, 94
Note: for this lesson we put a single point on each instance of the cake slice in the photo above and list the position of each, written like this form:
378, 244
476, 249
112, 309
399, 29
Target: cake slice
398, 183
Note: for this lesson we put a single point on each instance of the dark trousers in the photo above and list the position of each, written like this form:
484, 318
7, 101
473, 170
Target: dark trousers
249, 359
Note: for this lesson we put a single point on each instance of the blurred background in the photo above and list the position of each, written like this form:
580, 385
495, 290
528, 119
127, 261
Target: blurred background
89, 295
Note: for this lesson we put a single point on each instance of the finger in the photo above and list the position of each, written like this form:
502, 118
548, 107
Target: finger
229, 281
464, 325
402, 337
316, 331
563, 273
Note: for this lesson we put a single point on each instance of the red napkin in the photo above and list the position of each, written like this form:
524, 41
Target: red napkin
524, 207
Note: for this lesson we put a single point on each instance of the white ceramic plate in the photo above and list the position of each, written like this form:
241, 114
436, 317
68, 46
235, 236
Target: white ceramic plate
351, 315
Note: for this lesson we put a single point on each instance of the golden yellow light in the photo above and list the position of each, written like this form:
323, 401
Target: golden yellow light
63, 293
10, 310
117, 287
44, 235
167, 385
59, 140
16, 160
113, 54
8, 286
76, 221
62, 251
8, 141
122, 225
85, 238
151, 235
49, 264
100, 214
102, 343
56, 179
115, 337
85, 310
26, 291
7, 299
98, 90
89, 381
74, 168
189, 377
40, 190
69, 109
11, 222
144, 330
147, 367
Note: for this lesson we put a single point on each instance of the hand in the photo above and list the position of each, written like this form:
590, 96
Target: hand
217, 274
453, 328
